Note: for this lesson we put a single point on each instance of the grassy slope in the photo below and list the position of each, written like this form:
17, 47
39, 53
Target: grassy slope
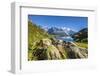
83, 45
35, 34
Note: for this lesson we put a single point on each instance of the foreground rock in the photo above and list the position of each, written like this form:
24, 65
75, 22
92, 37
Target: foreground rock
75, 52
48, 49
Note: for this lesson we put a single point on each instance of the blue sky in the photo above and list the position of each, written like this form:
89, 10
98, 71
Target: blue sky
73, 22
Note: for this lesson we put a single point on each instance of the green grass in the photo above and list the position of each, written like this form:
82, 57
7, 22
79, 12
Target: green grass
83, 45
35, 34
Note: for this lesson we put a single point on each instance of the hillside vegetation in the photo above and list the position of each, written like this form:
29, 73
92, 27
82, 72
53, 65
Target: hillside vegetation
35, 34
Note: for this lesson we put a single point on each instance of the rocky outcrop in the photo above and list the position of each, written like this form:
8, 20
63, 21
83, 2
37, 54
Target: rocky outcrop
48, 50
75, 52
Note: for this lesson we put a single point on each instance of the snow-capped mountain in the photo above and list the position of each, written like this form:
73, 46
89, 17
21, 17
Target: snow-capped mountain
68, 31
62, 31
56, 31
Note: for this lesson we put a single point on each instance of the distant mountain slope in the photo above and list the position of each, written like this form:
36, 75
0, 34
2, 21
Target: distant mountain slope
81, 36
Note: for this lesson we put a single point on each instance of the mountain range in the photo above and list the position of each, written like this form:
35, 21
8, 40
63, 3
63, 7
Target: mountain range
61, 31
